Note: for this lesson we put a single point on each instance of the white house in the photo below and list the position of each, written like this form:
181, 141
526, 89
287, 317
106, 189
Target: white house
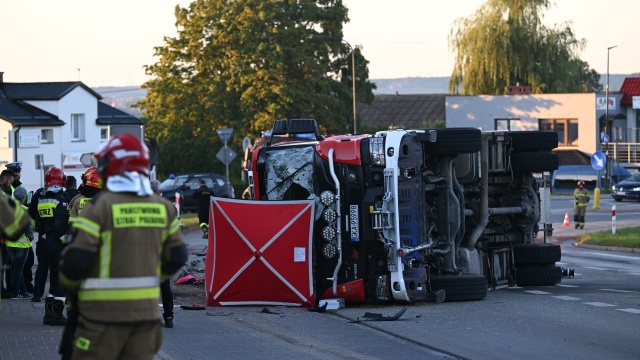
56, 124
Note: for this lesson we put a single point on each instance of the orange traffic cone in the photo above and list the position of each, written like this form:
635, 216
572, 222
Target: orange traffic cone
566, 220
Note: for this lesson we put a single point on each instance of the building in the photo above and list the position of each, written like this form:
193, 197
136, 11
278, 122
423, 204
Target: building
56, 124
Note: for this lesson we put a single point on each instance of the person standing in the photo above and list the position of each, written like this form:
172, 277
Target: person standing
18, 251
52, 224
91, 187
13, 221
71, 186
165, 287
124, 242
16, 168
203, 195
27, 273
6, 181
581, 197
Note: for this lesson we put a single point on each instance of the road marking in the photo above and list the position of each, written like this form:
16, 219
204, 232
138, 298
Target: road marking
564, 285
634, 273
596, 268
598, 304
616, 256
538, 292
514, 287
566, 298
561, 263
633, 311
616, 290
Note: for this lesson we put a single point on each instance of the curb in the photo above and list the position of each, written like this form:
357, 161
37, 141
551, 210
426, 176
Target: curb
607, 248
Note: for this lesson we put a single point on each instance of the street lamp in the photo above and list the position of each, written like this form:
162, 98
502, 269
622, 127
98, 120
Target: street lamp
607, 127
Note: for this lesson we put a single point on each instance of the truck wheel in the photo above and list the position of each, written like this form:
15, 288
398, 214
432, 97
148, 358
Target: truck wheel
534, 162
538, 275
533, 140
464, 287
536, 254
451, 141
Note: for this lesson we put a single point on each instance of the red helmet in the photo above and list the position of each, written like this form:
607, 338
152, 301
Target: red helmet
55, 176
92, 178
580, 183
84, 175
122, 152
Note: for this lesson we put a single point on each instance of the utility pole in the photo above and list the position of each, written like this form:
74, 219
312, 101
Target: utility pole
608, 126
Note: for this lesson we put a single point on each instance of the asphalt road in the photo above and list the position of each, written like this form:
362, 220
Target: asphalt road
593, 315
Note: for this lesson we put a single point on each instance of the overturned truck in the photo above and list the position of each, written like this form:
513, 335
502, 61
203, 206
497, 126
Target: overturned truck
403, 214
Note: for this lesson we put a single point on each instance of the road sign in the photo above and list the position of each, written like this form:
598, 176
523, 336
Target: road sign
605, 138
246, 143
226, 155
598, 160
225, 134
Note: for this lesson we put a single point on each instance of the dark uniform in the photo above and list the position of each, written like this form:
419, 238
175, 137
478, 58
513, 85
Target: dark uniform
124, 242
203, 195
581, 196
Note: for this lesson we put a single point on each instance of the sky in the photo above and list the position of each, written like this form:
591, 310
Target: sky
107, 43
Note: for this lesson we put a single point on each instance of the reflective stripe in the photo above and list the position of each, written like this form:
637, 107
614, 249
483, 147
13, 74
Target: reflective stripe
18, 213
175, 226
46, 207
105, 255
119, 294
87, 225
120, 283
127, 215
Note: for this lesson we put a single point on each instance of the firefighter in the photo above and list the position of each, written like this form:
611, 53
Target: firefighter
124, 243
203, 194
581, 197
52, 221
13, 221
92, 184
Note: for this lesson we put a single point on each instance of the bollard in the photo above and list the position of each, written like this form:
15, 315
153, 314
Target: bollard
613, 219
596, 199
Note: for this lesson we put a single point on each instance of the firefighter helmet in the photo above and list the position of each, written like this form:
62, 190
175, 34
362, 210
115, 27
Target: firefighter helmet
580, 183
122, 152
55, 176
92, 178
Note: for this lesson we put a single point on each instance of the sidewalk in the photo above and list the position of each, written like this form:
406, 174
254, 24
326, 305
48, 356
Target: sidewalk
23, 336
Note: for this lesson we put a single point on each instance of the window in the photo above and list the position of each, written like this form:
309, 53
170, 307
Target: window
567, 130
46, 136
104, 134
508, 124
77, 127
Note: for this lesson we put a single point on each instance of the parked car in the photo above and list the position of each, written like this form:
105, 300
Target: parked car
186, 184
565, 178
628, 189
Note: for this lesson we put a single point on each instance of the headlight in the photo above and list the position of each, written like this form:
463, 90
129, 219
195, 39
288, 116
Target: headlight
636, 189
329, 215
376, 151
327, 198
329, 250
329, 233
613, 188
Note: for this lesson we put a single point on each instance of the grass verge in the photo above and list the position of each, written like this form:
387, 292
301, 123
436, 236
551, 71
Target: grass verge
189, 220
628, 237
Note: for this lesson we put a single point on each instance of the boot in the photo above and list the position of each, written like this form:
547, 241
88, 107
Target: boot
57, 316
168, 321
205, 230
48, 302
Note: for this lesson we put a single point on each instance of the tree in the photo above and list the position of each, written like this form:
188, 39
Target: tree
505, 43
244, 64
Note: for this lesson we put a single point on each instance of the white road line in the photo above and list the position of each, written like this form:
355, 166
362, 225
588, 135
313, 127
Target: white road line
634, 273
633, 311
577, 274
514, 287
564, 285
616, 256
616, 290
566, 298
561, 263
598, 304
596, 268
538, 292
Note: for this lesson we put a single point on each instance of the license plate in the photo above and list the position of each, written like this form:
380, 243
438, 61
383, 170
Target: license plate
620, 193
354, 223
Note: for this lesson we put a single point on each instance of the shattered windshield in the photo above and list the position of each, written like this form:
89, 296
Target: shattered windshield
289, 173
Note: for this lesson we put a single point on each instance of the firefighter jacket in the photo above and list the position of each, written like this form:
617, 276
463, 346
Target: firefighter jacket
581, 196
121, 245
79, 201
13, 218
52, 218
203, 195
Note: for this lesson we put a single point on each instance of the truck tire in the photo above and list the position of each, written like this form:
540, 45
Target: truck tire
533, 140
452, 141
538, 275
534, 162
464, 287
536, 254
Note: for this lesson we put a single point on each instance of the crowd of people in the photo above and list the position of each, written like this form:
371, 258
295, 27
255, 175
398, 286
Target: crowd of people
108, 248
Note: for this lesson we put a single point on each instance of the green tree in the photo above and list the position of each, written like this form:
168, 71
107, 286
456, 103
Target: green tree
505, 43
244, 64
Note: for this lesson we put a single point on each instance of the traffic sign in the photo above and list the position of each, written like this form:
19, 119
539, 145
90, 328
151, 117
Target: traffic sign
246, 143
605, 138
225, 134
226, 155
598, 160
